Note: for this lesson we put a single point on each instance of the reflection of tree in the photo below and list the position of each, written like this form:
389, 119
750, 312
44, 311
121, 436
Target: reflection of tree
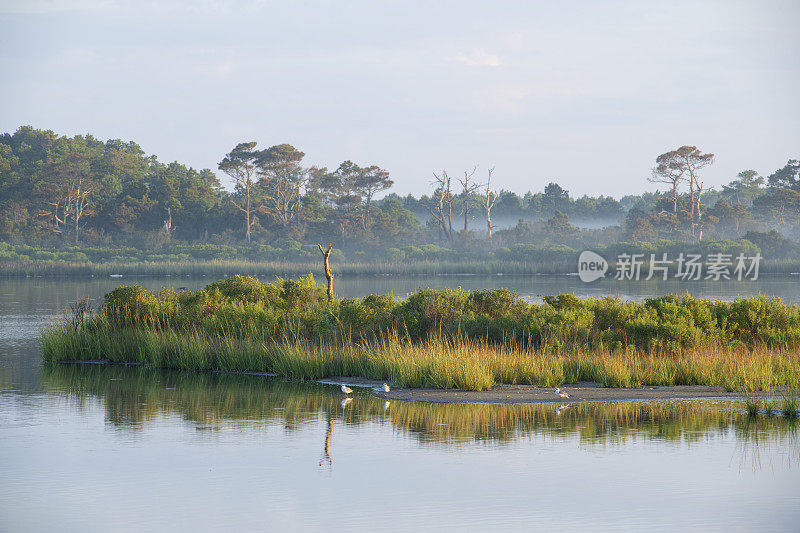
134, 396
328, 436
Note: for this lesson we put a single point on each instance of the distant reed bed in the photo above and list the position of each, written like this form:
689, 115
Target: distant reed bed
446, 338
216, 268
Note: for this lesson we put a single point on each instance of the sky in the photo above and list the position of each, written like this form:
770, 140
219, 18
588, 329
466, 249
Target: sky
583, 93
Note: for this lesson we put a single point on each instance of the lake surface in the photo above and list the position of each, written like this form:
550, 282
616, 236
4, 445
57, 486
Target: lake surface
114, 448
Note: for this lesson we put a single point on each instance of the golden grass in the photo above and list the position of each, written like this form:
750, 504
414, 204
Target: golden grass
439, 362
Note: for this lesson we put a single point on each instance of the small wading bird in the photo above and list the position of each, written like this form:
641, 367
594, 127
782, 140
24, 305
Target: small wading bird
346, 389
386, 388
561, 393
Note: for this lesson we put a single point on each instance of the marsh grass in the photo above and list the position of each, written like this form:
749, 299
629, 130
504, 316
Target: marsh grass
438, 362
790, 407
752, 406
229, 267
440, 338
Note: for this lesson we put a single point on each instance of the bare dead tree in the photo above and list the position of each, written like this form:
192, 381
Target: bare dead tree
62, 206
168, 228
72, 203
67, 185
698, 185
469, 187
449, 196
490, 199
441, 205
82, 191
328, 273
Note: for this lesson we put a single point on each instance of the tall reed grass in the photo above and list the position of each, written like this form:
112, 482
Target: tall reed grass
439, 362
442, 339
228, 267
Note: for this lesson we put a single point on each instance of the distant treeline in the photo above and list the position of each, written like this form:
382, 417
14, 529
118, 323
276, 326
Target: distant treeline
779, 255
58, 191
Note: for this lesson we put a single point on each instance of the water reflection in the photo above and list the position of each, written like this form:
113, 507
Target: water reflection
134, 396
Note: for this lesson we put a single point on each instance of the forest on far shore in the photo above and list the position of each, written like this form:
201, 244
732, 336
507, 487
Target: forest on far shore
83, 199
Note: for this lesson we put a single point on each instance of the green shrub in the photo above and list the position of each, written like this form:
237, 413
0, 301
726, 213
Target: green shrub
672, 324
245, 289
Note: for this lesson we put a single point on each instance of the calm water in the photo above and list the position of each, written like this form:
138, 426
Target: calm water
96, 448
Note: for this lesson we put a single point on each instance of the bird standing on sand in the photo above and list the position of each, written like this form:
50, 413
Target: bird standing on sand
561, 393
386, 388
346, 389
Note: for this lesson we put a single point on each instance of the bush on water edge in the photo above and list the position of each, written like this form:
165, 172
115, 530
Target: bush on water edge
446, 338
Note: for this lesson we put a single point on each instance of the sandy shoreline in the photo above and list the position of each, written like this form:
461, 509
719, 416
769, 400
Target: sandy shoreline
524, 394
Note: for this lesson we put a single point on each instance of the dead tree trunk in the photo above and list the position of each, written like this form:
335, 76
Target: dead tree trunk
328, 274
469, 189
168, 229
490, 198
441, 205
699, 188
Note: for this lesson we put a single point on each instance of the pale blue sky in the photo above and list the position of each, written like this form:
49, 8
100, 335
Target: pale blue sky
583, 93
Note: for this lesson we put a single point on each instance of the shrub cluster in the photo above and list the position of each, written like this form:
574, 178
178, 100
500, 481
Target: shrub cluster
247, 307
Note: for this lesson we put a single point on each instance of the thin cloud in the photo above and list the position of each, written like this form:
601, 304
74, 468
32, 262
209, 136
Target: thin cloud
478, 58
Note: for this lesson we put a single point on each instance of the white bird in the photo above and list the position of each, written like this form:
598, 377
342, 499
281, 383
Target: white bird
346, 389
386, 388
561, 393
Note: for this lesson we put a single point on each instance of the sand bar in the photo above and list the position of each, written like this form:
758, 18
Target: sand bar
522, 394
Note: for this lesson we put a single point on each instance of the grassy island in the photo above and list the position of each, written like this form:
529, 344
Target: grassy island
438, 338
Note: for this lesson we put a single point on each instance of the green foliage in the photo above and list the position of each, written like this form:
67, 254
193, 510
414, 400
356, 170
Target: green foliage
441, 338
245, 289
669, 324
790, 406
